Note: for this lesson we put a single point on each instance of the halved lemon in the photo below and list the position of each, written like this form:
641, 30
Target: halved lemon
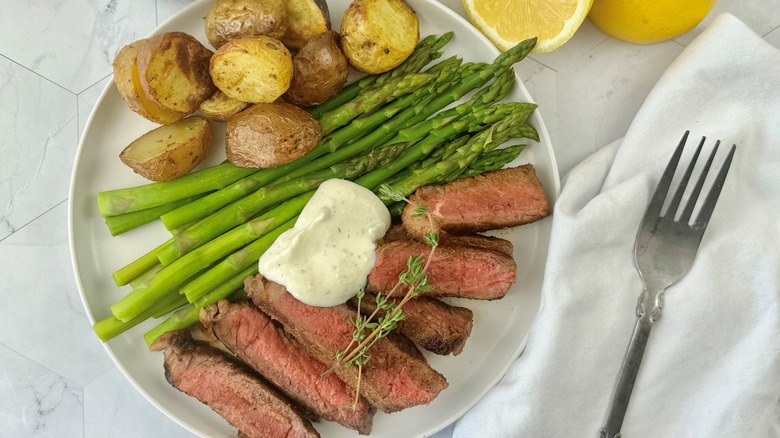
507, 22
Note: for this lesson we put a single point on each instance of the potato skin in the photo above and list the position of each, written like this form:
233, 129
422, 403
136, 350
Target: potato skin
269, 134
252, 69
320, 70
230, 19
129, 87
170, 151
378, 35
308, 18
174, 71
220, 107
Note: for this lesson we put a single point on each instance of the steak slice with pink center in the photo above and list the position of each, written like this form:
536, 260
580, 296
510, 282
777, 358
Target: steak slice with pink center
258, 341
229, 388
455, 271
499, 199
434, 325
396, 377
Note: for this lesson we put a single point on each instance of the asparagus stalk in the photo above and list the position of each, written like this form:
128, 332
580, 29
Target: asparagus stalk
121, 201
463, 157
475, 121
139, 266
383, 93
490, 161
234, 263
174, 275
128, 221
146, 276
111, 326
426, 51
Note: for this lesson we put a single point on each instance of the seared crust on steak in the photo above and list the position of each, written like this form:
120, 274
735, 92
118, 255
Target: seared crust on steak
455, 271
396, 377
229, 388
481, 241
499, 199
260, 343
430, 323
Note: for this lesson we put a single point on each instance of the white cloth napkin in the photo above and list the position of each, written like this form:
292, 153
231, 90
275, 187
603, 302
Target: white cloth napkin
712, 365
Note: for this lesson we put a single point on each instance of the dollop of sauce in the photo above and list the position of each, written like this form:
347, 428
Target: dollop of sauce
325, 258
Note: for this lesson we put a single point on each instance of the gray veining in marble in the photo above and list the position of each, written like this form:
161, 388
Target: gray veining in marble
56, 380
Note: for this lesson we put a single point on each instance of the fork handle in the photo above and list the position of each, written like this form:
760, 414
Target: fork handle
627, 377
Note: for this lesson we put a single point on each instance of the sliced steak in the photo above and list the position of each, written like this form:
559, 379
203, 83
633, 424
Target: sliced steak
455, 271
432, 324
396, 377
258, 341
503, 246
499, 199
229, 388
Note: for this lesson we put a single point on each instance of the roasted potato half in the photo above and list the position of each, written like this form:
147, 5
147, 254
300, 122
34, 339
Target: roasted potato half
174, 71
307, 18
269, 134
230, 19
320, 70
129, 86
169, 151
252, 69
378, 35
220, 107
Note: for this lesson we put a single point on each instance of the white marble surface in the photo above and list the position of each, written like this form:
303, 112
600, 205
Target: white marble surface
55, 59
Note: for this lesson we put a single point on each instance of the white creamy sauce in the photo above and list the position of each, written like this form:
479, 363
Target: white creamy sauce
325, 258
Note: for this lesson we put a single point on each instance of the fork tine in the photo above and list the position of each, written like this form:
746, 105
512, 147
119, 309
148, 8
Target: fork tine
657, 202
685, 217
678, 195
712, 197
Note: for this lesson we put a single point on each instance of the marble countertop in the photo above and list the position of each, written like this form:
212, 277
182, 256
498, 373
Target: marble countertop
55, 59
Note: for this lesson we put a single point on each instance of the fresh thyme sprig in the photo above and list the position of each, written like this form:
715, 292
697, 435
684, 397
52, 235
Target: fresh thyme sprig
371, 328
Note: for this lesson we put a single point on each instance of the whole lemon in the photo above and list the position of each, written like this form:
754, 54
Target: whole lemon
648, 21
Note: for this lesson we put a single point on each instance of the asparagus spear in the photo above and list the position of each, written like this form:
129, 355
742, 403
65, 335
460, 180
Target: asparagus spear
111, 326
500, 114
463, 157
121, 201
128, 221
139, 266
235, 263
383, 93
490, 161
426, 51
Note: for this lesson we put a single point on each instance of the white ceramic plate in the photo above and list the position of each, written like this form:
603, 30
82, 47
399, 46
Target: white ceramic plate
500, 327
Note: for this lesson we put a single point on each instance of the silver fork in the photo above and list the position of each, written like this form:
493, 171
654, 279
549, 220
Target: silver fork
664, 252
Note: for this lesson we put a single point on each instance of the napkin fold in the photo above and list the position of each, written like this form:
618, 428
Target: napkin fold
712, 365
